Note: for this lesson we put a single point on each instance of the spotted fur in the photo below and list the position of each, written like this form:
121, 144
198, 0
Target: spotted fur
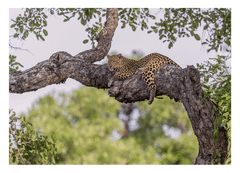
126, 67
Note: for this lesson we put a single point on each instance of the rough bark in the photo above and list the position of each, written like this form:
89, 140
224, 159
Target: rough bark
179, 84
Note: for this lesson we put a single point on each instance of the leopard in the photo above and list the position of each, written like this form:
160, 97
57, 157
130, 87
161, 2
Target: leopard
125, 67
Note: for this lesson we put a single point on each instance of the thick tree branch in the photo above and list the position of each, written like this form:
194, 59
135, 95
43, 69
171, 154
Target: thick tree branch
179, 84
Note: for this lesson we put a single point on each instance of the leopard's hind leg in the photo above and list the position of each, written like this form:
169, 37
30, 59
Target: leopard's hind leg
148, 75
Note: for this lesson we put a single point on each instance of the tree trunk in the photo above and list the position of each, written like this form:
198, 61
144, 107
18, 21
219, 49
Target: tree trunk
179, 84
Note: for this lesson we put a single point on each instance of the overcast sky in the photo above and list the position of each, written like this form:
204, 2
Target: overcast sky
68, 36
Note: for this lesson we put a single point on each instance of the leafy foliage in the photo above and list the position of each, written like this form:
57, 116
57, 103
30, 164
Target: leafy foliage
13, 65
216, 82
33, 21
30, 147
181, 22
177, 23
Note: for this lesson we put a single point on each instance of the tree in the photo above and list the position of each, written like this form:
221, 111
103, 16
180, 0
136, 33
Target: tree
182, 85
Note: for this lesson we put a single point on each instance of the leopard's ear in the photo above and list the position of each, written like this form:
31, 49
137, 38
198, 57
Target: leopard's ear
119, 55
108, 55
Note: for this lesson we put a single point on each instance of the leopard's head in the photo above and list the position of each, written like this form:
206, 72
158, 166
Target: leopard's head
114, 61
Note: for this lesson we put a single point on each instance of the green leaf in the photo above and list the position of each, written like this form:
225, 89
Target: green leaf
44, 23
160, 31
15, 35
85, 41
228, 41
174, 30
192, 33
134, 28
13, 25
83, 22
37, 36
124, 24
52, 12
225, 114
45, 32
43, 39
223, 123
149, 32
65, 20
25, 34
87, 29
21, 29
138, 10
196, 36
161, 37
170, 45
205, 27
